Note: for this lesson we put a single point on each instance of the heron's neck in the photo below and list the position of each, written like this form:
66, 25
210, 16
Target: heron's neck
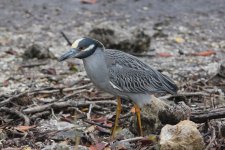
95, 60
95, 67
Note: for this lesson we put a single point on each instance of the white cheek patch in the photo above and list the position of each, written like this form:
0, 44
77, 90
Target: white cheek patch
75, 44
89, 47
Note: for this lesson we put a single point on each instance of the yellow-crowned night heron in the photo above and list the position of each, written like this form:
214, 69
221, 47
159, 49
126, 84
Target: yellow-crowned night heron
120, 74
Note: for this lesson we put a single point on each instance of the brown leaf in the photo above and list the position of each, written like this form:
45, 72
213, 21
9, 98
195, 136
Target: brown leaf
205, 53
88, 1
164, 54
100, 119
11, 52
24, 128
101, 129
98, 146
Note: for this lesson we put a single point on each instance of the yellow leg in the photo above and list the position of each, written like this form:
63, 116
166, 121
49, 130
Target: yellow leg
138, 113
118, 111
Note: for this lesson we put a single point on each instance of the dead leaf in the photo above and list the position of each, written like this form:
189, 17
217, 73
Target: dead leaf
88, 1
164, 54
205, 53
24, 128
100, 120
11, 52
98, 146
104, 130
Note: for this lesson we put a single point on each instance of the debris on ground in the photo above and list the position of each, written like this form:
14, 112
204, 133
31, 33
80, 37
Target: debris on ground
37, 51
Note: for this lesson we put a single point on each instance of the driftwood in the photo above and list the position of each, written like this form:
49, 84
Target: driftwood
203, 116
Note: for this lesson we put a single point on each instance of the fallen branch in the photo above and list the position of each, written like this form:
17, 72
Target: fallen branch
185, 94
69, 103
132, 139
40, 114
33, 65
201, 117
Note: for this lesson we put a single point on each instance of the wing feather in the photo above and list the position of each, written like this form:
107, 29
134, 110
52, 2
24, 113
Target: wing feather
132, 75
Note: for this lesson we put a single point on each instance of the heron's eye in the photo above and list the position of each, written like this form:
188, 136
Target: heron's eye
81, 48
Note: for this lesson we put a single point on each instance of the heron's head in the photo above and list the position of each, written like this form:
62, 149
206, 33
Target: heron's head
81, 48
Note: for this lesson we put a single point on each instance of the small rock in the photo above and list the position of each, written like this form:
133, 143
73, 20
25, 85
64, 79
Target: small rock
116, 36
175, 113
212, 68
70, 134
183, 136
52, 125
37, 51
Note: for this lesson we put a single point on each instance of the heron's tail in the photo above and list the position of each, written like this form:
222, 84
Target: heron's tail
169, 85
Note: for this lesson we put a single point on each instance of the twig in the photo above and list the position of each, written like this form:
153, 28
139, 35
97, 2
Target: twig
89, 111
129, 114
77, 88
33, 65
16, 132
184, 94
213, 132
99, 98
21, 115
51, 90
64, 104
72, 95
66, 38
37, 115
97, 124
77, 110
132, 139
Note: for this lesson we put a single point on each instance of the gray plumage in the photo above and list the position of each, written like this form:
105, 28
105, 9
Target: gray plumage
132, 75
124, 75
119, 73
